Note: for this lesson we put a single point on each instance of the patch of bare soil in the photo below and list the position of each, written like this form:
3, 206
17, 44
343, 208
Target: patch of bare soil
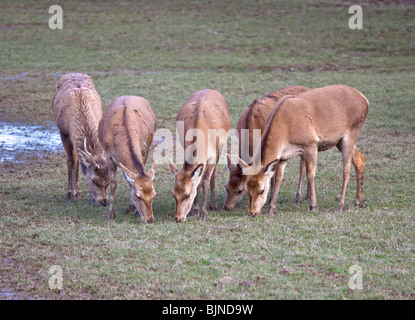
9, 288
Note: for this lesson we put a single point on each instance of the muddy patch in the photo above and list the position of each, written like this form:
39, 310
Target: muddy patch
19, 142
19, 76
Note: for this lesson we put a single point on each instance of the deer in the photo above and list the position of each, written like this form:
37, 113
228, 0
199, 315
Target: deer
254, 117
204, 110
305, 124
77, 111
126, 132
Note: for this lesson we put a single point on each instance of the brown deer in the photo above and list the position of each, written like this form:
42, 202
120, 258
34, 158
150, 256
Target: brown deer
254, 117
126, 132
312, 121
77, 110
204, 110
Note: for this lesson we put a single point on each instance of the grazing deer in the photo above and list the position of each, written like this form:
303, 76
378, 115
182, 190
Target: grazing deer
77, 110
254, 117
304, 124
126, 132
205, 110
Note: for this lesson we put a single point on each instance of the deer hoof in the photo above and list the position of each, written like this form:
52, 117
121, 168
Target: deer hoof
340, 208
71, 195
202, 215
271, 211
111, 215
360, 204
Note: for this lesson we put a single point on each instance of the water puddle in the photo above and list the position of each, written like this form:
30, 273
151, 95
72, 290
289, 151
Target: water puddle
19, 76
20, 141
7, 296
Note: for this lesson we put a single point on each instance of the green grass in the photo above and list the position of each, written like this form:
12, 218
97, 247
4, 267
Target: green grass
164, 51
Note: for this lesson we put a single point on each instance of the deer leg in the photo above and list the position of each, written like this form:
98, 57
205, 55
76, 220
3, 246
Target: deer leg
194, 211
113, 186
76, 177
205, 185
307, 196
310, 158
72, 163
279, 173
272, 186
358, 160
346, 151
213, 205
131, 206
300, 183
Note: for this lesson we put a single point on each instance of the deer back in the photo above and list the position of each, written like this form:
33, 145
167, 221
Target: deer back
77, 110
320, 116
204, 110
256, 114
126, 131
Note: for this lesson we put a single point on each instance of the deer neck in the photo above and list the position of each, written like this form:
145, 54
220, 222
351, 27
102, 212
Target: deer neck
272, 144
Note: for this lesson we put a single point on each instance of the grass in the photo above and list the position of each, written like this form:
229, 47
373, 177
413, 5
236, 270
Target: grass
164, 51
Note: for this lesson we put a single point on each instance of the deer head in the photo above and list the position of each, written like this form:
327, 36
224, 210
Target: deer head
142, 192
257, 186
185, 189
97, 176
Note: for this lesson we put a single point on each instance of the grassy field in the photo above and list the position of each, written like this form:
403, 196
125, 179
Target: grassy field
164, 51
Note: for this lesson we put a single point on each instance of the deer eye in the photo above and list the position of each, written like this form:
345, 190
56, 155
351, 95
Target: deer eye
186, 196
261, 192
240, 191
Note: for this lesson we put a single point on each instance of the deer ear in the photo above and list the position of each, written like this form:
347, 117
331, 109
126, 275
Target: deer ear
270, 169
242, 164
173, 167
129, 175
85, 158
248, 170
197, 173
152, 172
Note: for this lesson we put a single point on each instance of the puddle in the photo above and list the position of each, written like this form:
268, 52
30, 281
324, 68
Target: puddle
19, 141
7, 296
20, 76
